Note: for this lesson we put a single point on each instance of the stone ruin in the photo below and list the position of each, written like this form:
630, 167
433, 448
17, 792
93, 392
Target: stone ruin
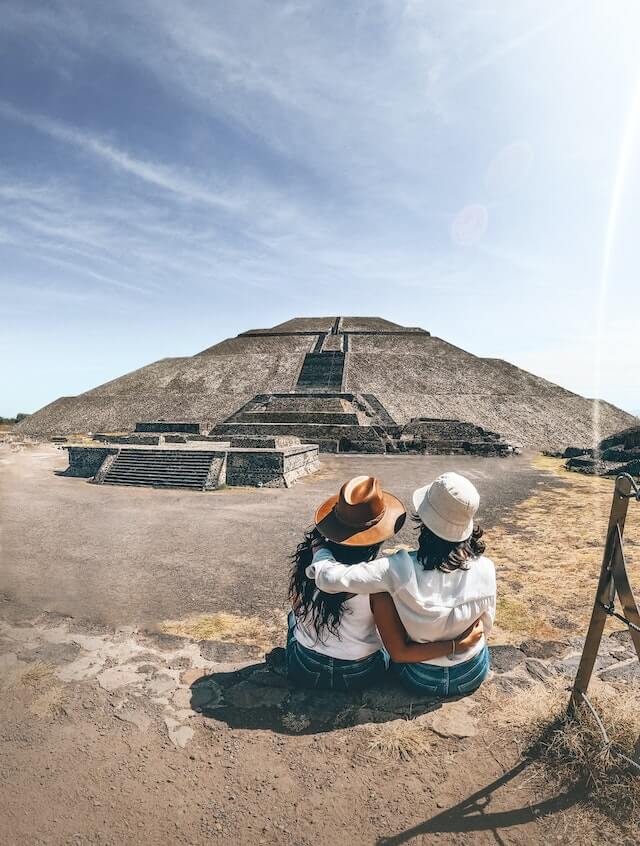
328, 384
619, 453
344, 422
182, 455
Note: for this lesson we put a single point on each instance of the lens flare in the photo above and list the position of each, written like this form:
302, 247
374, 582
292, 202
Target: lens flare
625, 153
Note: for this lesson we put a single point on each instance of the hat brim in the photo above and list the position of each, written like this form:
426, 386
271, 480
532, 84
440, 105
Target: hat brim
445, 529
332, 529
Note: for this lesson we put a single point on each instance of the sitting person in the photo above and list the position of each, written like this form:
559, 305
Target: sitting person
333, 642
434, 593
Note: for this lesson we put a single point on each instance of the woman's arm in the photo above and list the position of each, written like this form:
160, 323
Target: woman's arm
394, 636
332, 577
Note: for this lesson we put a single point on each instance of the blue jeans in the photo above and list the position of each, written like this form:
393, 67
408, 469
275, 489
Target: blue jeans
310, 669
442, 682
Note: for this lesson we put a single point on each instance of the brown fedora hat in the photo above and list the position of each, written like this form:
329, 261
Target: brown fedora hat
361, 514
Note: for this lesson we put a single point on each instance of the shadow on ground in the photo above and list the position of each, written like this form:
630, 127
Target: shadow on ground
476, 813
259, 696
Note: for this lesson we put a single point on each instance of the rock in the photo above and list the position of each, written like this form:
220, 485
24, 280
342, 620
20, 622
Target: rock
191, 676
206, 694
569, 665
138, 718
621, 636
453, 719
84, 667
182, 697
179, 735
396, 700
363, 716
544, 648
503, 659
222, 652
510, 683
55, 653
537, 669
116, 677
165, 641
248, 695
267, 678
622, 672
622, 654
320, 707
574, 452
161, 685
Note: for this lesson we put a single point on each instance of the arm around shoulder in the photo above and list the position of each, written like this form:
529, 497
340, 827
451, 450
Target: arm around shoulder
332, 577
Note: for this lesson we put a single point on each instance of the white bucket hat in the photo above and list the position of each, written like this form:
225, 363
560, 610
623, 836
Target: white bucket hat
447, 506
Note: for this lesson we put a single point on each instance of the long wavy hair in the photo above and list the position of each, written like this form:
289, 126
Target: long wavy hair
436, 553
323, 610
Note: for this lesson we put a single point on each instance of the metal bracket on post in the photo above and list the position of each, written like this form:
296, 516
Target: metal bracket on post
613, 579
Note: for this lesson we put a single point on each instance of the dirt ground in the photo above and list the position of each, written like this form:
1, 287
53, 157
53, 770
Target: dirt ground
126, 556
105, 739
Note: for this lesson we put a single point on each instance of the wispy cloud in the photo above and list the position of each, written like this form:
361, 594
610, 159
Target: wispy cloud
160, 176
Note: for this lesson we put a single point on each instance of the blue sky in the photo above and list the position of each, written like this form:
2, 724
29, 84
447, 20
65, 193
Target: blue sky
173, 173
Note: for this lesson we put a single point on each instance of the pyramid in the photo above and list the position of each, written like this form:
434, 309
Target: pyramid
388, 374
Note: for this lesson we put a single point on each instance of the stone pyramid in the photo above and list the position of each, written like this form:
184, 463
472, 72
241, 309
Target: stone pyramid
390, 375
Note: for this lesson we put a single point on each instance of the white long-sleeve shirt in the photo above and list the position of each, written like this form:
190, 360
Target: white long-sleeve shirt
432, 605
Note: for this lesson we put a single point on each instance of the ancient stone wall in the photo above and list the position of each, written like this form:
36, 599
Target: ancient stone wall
86, 461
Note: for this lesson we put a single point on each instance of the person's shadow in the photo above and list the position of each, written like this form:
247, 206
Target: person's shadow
260, 696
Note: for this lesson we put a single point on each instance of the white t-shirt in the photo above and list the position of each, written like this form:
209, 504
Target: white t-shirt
358, 633
432, 605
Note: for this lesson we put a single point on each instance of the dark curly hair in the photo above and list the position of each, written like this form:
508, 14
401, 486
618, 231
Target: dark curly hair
434, 552
325, 610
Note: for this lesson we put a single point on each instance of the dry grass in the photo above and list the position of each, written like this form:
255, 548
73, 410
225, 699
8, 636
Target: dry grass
50, 703
570, 756
548, 554
403, 740
231, 628
36, 675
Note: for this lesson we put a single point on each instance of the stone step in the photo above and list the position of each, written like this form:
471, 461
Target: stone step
321, 370
304, 402
158, 483
161, 468
302, 416
307, 432
130, 462
163, 471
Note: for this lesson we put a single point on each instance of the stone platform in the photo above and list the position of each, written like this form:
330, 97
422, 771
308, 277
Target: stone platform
346, 422
619, 453
196, 465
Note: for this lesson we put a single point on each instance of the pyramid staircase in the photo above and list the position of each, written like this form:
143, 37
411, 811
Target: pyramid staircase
162, 468
318, 411
336, 421
321, 371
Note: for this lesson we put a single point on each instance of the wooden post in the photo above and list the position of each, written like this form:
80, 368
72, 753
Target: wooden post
606, 590
625, 594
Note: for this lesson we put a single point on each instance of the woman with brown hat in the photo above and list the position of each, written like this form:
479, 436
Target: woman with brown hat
333, 640
434, 592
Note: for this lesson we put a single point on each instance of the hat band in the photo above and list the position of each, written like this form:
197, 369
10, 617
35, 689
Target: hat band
358, 524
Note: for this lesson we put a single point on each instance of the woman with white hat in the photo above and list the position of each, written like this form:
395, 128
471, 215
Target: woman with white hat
436, 592
333, 640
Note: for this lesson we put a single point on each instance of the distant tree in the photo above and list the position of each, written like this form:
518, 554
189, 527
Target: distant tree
9, 421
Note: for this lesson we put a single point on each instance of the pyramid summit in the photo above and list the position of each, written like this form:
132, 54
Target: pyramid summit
404, 373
